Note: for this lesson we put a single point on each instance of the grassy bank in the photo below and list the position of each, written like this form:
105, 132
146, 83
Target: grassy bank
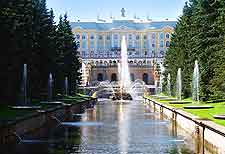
219, 108
7, 113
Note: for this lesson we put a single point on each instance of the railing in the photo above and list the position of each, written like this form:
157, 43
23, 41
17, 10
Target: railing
187, 117
118, 57
199, 123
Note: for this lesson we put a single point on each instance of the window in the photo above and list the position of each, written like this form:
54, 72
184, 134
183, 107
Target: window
167, 35
83, 53
145, 78
130, 45
137, 44
137, 37
167, 43
153, 36
115, 36
129, 53
145, 44
132, 77
83, 37
115, 43
145, 53
100, 37
113, 77
137, 53
84, 44
161, 36
145, 37
100, 77
130, 36
92, 37
92, 44
153, 45
78, 36
78, 44
108, 37
161, 44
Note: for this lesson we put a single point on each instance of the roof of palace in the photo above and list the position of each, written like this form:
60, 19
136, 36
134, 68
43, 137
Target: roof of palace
130, 24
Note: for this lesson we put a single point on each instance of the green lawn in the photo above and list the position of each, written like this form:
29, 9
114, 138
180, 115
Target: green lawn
219, 108
7, 114
75, 99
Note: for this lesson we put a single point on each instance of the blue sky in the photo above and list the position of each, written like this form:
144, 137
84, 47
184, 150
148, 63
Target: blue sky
89, 9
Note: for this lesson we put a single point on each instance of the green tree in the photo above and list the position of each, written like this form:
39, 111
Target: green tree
199, 35
67, 60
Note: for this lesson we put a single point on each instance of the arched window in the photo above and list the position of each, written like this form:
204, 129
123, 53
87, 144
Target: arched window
100, 77
78, 36
167, 35
92, 37
145, 78
114, 77
153, 45
132, 77
167, 43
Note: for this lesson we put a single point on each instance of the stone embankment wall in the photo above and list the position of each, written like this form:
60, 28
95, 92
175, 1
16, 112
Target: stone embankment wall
11, 131
209, 137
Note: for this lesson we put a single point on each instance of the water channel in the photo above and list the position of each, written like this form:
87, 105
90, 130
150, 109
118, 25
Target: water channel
109, 128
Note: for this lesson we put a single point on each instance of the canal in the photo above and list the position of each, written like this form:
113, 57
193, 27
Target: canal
109, 128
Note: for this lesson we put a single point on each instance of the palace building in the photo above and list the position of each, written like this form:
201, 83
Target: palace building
100, 42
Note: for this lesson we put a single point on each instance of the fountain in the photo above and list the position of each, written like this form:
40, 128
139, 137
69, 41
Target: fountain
125, 74
167, 98
138, 89
195, 83
105, 90
179, 90
123, 93
179, 85
50, 86
24, 84
25, 104
160, 84
161, 77
66, 86
195, 91
168, 85
50, 93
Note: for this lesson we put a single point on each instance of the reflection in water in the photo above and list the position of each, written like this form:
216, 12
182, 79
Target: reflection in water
109, 128
129, 128
124, 124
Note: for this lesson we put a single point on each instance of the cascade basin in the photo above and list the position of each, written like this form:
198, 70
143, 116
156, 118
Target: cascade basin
52, 103
198, 107
25, 107
180, 102
169, 99
219, 116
